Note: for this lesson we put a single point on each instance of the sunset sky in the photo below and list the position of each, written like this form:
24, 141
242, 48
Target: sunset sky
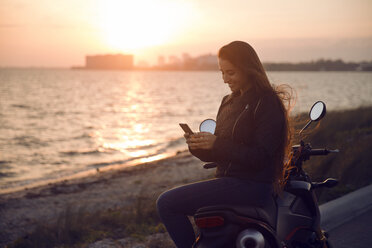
60, 33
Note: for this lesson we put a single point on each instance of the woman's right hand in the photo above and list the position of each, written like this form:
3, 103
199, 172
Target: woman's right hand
201, 140
202, 153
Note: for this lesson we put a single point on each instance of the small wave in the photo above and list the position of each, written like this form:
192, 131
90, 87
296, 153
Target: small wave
103, 164
159, 147
60, 112
28, 141
81, 152
175, 142
7, 174
142, 147
5, 165
82, 136
20, 106
120, 162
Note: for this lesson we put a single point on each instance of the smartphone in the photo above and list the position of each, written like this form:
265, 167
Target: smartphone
186, 128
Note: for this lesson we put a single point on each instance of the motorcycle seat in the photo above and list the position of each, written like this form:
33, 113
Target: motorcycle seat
250, 212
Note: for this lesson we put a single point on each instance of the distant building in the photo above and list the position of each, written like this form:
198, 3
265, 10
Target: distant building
364, 67
207, 62
161, 60
109, 62
174, 60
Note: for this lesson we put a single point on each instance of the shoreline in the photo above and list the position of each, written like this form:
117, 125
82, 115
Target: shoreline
22, 210
98, 175
90, 172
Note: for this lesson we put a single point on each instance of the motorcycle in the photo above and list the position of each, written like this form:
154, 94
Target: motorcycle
293, 223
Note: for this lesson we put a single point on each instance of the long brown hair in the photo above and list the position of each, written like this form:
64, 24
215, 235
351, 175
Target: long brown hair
244, 57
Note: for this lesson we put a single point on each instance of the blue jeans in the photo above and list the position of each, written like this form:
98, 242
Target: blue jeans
176, 204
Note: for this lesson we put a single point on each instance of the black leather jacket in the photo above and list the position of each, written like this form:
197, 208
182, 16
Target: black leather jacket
249, 131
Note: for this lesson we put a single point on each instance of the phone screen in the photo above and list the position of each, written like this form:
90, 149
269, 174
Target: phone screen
186, 128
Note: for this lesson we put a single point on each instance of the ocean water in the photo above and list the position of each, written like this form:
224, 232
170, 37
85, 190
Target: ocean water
59, 123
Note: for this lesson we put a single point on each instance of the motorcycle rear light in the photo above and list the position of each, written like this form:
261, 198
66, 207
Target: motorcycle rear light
210, 221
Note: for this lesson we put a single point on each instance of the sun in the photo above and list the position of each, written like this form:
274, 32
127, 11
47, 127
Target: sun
129, 25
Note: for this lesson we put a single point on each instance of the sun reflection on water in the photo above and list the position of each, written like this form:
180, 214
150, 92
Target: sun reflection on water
152, 158
131, 142
127, 143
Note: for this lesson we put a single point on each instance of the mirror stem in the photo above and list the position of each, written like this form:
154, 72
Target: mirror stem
307, 124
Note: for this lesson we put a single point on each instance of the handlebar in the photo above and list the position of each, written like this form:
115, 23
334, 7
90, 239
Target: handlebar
303, 152
319, 152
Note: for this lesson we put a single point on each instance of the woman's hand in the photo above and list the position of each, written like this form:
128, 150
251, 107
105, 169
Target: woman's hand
202, 140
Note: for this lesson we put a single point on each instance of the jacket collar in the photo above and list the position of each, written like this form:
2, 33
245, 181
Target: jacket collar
246, 97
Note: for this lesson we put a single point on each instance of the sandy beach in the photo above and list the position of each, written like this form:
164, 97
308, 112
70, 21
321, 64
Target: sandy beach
20, 211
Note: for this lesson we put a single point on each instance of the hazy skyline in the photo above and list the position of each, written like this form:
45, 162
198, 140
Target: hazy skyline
60, 33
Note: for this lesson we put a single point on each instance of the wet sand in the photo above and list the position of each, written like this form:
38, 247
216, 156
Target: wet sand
20, 211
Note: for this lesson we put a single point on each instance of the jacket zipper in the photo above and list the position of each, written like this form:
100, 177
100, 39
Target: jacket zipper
233, 130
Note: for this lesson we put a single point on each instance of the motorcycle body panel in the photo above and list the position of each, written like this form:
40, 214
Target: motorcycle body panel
298, 214
297, 221
236, 219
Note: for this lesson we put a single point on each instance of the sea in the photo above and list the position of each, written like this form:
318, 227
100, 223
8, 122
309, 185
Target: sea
61, 123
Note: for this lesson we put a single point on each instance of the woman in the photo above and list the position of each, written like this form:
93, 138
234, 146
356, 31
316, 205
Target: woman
249, 146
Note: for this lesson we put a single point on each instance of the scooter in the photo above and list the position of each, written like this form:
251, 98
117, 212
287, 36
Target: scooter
293, 223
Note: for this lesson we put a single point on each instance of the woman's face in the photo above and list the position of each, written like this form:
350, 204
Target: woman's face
233, 76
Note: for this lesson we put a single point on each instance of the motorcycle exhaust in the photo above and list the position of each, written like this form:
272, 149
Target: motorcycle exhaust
250, 238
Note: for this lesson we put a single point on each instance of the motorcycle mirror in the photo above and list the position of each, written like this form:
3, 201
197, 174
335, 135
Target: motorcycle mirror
317, 112
208, 125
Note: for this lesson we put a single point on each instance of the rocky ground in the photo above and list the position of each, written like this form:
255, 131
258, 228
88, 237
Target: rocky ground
20, 211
